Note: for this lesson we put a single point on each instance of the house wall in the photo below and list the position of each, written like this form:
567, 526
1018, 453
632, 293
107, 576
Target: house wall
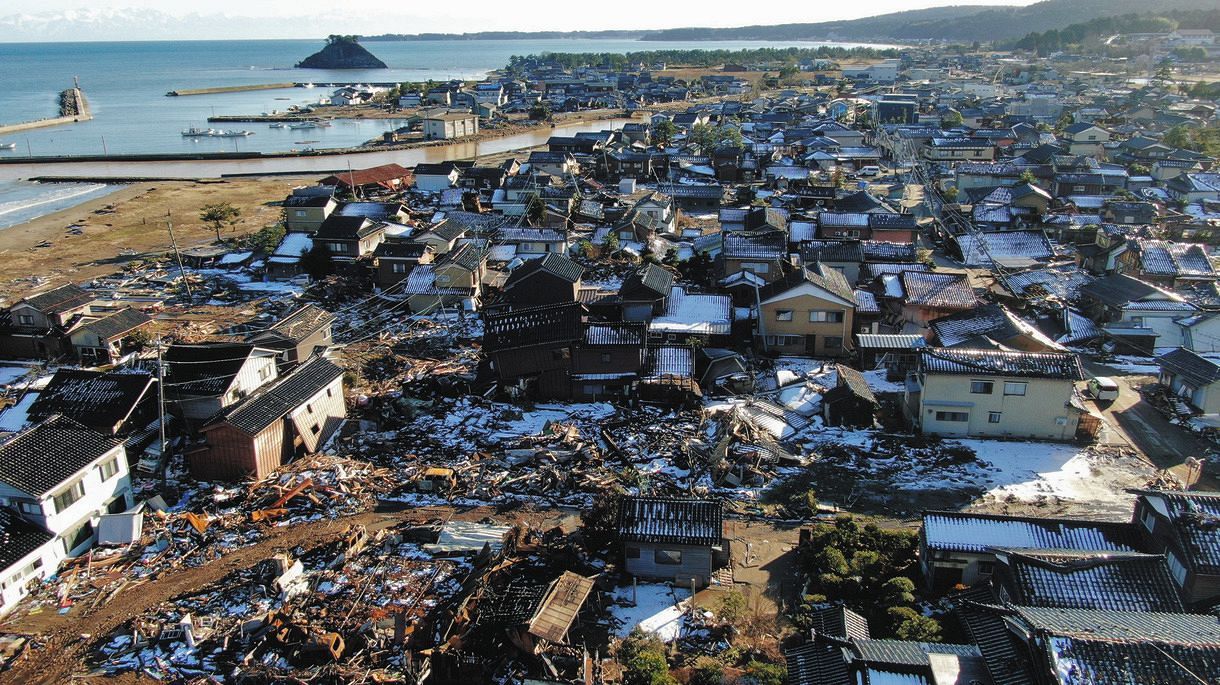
306, 219
542, 288
774, 267
1168, 332
696, 563
99, 494
1158, 536
233, 454
1206, 399
435, 184
254, 373
316, 419
41, 563
800, 325
1040, 413
942, 569
1202, 337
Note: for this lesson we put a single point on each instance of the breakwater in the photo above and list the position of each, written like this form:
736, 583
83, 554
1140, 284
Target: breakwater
73, 107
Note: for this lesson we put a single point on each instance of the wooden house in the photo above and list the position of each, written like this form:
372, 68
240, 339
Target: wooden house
300, 335
530, 348
289, 418
551, 279
672, 539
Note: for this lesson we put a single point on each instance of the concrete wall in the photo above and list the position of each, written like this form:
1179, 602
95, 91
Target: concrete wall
1040, 413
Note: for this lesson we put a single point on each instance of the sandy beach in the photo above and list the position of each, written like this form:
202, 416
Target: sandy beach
130, 224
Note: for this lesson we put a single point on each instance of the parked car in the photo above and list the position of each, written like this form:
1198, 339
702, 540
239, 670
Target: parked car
1103, 389
870, 170
152, 460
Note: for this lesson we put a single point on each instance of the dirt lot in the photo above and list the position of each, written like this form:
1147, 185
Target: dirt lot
128, 224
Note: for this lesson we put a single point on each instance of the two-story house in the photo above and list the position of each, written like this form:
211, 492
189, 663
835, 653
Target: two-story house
63, 477
1086, 139
1182, 526
202, 379
104, 339
530, 348
808, 312
118, 403
1193, 378
644, 292
995, 393
291, 417
349, 238
37, 322
608, 360
455, 278
1137, 314
300, 335
305, 213
761, 253
552, 279
395, 259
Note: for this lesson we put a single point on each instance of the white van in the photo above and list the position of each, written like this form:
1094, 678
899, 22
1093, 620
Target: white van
870, 170
1103, 389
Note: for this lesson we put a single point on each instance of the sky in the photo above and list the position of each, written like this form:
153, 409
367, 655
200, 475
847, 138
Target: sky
366, 16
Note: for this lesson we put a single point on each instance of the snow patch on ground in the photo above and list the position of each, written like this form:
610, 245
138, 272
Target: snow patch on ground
877, 382
659, 609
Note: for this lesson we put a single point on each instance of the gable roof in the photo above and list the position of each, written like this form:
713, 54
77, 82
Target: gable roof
301, 323
1121, 289
967, 532
206, 368
819, 275
59, 299
1196, 370
991, 320
532, 326
18, 538
117, 324
272, 402
671, 520
1194, 518
1070, 579
1163, 258
338, 227
99, 400
552, 263
947, 291
649, 281
968, 362
38, 459
769, 245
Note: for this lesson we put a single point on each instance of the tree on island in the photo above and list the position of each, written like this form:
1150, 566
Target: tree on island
218, 215
335, 39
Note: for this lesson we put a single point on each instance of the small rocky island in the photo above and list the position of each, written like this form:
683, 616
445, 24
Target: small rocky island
342, 52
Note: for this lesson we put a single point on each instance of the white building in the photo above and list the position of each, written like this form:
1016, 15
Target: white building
450, 125
60, 478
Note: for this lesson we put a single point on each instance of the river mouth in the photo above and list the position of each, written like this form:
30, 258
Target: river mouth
171, 167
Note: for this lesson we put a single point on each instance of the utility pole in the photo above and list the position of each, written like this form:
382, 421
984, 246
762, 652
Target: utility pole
169, 221
161, 411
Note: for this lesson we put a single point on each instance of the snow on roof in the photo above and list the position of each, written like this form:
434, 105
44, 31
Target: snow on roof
292, 246
981, 532
694, 314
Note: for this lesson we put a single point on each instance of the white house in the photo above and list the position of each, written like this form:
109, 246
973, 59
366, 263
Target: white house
60, 477
434, 178
451, 125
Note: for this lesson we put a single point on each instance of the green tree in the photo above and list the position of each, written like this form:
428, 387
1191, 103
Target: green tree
318, 261
909, 624
762, 673
899, 591
643, 659
218, 215
707, 671
951, 118
1027, 176
540, 111
1178, 137
731, 607
535, 211
663, 132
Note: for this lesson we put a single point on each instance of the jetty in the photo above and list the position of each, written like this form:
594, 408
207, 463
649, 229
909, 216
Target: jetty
230, 89
73, 107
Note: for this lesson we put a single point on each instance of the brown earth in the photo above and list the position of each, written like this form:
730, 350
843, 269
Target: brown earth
129, 224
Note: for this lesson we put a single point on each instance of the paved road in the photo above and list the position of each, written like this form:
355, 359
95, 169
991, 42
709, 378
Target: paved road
1136, 423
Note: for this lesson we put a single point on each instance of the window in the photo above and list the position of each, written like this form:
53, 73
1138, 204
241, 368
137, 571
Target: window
398, 268
330, 392
69, 497
308, 408
605, 357
301, 214
784, 340
632, 552
28, 507
783, 315
1176, 568
818, 316
993, 417
957, 416
981, 387
337, 247
756, 267
315, 429
1149, 520
264, 373
667, 557
1017, 389
25, 319
986, 568
108, 468
832, 342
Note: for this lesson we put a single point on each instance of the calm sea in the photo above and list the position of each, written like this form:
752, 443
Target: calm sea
126, 85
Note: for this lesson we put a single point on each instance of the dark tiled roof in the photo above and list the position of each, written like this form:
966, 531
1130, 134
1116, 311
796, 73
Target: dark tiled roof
817, 663
1195, 517
337, 227
1001, 363
831, 251
904, 653
649, 281
850, 382
532, 326
671, 520
1190, 367
64, 297
205, 369
948, 291
98, 400
303, 322
1088, 580
627, 333
820, 275
38, 459
270, 403
118, 324
19, 537
754, 245
1119, 289
553, 263
991, 320
466, 256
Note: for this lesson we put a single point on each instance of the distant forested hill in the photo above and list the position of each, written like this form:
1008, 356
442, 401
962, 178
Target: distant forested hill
965, 23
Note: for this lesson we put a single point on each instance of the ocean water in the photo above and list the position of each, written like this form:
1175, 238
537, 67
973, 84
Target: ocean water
126, 83
21, 201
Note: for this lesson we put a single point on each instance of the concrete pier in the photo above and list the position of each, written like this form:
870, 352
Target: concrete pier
73, 107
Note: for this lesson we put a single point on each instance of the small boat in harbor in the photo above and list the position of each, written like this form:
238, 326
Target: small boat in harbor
232, 134
8, 146
194, 132
279, 124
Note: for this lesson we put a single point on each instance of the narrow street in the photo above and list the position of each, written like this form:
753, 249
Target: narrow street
1135, 423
